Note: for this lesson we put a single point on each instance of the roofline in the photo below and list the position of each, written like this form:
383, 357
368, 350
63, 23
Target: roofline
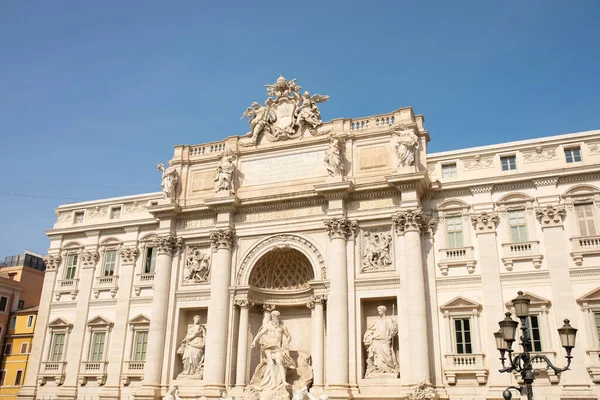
111, 200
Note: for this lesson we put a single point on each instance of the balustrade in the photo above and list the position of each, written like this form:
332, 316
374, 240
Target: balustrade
209, 148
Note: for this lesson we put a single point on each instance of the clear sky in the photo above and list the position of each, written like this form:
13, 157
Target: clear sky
94, 94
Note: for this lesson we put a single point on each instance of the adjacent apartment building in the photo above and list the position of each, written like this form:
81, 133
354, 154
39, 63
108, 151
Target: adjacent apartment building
320, 224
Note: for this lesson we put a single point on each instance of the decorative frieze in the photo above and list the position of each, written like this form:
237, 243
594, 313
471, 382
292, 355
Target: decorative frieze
222, 239
135, 207
64, 216
594, 148
197, 266
89, 258
128, 254
52, 262
168, 244
376, 252
551, 215
412, 220
341, 228
485, 222
97, 212
478, 162
540, 154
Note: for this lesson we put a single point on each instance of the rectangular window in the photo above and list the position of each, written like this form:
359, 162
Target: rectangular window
518, 226
97, 350
78, 219
13, 323
21, 304
24, 348
3, 303
71, 268
18, 377
509, 163
2, 376
448, 171
115, 213
110, 259
462, 331
454, 232
7, 349
58, 345
585, 219
573, 155
533, 330
30, 321
150, 260
141, 343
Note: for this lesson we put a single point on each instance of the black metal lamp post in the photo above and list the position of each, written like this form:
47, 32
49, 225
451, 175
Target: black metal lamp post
523, 362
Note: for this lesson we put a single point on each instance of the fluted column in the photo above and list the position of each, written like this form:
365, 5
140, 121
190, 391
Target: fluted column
410, 224
317, 339
218, 309
338, 230
166, 246
242, 349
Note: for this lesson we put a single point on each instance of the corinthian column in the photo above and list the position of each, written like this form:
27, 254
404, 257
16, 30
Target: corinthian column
338, 230
166, 246
242, 349
409, 224
218, 309
316, 343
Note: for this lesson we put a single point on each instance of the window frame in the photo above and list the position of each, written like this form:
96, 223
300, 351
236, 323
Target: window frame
58, 327
60, 356
522, 236
454, 234
5, 299
2, 377
540, 308
452, 173
13, 323
593, 219
463, 343
530, 332
30, 321
100, 356
98, 325
572, 155
134, 349
19, 375
152, 268
105, 253
76, 214
115, 212
7, 349
68, 267
26, 348
140, 323
461, 308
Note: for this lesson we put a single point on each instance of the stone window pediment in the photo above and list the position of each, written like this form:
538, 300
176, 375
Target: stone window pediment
140, 321
538, 304
453, 207
99, 323
461, 305
514, 201
582, 194
60, 324
590, 299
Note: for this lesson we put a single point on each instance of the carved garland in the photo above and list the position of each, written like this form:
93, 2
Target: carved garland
222, 239
281, 238
551, 215
341, 228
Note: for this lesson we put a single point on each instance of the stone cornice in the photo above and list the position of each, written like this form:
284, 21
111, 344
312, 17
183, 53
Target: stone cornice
341, 228
85, 228
551, 215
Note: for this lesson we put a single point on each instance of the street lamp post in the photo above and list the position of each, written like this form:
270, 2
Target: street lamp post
523, 362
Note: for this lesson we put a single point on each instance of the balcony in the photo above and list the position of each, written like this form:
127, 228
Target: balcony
106, 284
133, 369
143, 281
522, 251
52, 370
593, 364
457, 257
93, 369
465, 365
584, 246
66, 286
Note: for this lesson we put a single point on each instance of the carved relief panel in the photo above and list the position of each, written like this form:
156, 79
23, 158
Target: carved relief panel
376, 250
197, 266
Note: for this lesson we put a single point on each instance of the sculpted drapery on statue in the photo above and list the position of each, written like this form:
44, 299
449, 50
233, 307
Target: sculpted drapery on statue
269, 379
334, 158
191, 351
406, 146
285, 115
381, 357
225, 170
170, 179
197, 266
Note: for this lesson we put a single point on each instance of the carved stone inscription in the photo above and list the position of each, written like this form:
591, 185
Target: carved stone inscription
286, 168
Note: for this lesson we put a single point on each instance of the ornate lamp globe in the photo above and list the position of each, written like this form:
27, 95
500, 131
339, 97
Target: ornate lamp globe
567, 336
500, 342
508, 326
521, 305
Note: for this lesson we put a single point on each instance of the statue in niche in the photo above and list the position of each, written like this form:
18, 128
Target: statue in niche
381, 357
197, 267
224, 176
334, 157
376, 255
309, 114
170, 179
191, 351
406, 146
269, 379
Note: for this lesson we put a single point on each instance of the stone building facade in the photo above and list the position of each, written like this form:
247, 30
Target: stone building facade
325, 222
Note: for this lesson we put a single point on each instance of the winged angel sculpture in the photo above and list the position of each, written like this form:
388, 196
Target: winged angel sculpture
286, 114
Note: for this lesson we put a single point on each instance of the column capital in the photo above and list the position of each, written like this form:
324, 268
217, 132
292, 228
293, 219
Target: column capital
89, 258
52, 262
316, 299
551, 215
413, 220
167, 244
244, 303
128, 254
341, 228
485, 222
222, 239
268, 307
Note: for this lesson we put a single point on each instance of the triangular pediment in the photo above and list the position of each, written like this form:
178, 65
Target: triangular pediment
535, 300
460, 303
59, 323
141, 319
593, 296
99, 321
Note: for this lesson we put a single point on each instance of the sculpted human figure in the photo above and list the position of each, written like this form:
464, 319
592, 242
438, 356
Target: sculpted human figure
270, 374
309, 113
197, 267
333, 157
406, 146
191, 351
170, 178
224, 175
259, 120
378, 338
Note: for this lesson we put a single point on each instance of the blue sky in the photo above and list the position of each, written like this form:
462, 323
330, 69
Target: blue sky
95, 94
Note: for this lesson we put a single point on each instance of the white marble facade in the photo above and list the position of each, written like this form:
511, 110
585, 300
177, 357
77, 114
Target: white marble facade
260, 222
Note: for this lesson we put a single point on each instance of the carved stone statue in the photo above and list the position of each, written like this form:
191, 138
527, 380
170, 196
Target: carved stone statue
172, 393
376, 253
406, 146
224, 176
334, 161
308, 113
301, 393
423, 391
197, 267
381, 357
170, 179
259, 120
191, 351
269, 379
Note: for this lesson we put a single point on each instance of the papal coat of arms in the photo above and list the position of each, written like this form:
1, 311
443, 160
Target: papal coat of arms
287, 114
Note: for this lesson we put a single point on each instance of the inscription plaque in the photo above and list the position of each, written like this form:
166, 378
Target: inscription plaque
285, 168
